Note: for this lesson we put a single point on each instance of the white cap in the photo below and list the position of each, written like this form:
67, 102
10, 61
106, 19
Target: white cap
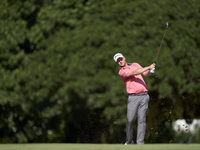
116, 56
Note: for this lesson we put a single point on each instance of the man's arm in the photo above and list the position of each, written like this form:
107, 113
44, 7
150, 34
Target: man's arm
144, 71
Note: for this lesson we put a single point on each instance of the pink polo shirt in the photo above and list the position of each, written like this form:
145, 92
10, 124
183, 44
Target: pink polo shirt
134, 84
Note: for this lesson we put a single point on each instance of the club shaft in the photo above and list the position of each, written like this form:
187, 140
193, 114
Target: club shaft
161, 44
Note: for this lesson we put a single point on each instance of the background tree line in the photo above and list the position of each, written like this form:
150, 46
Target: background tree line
59, 82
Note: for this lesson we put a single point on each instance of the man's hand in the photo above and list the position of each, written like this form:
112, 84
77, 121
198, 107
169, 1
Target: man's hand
152, 68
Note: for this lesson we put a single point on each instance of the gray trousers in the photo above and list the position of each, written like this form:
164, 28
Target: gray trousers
137, 105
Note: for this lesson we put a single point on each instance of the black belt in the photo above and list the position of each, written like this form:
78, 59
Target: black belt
139, 94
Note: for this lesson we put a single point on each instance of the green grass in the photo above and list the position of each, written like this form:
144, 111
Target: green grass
99, 147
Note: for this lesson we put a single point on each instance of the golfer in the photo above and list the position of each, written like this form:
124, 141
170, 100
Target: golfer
138, 98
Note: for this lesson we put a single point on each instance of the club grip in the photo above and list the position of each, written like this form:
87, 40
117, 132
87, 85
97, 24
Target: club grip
152, 70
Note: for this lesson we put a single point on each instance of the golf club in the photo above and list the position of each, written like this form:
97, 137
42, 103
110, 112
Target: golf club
153, 70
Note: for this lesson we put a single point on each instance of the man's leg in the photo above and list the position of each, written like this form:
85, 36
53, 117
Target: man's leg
142, 108
131, 114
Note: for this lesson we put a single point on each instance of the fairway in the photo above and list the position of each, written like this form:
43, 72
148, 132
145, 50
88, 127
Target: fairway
99, 147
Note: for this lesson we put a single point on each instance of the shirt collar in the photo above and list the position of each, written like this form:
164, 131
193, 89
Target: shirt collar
128, 65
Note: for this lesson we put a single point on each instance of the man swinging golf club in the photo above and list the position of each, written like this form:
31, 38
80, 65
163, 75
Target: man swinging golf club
131, 75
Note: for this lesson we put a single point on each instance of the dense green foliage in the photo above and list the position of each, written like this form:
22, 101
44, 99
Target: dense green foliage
59, 82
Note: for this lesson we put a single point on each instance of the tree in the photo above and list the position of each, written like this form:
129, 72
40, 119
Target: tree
59, 82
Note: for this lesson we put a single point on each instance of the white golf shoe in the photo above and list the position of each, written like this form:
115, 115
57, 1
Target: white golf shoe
129, 143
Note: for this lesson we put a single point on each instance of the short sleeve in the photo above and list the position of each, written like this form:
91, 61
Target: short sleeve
124, 73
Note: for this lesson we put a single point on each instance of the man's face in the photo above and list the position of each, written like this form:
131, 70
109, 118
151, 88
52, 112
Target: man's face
121, 61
